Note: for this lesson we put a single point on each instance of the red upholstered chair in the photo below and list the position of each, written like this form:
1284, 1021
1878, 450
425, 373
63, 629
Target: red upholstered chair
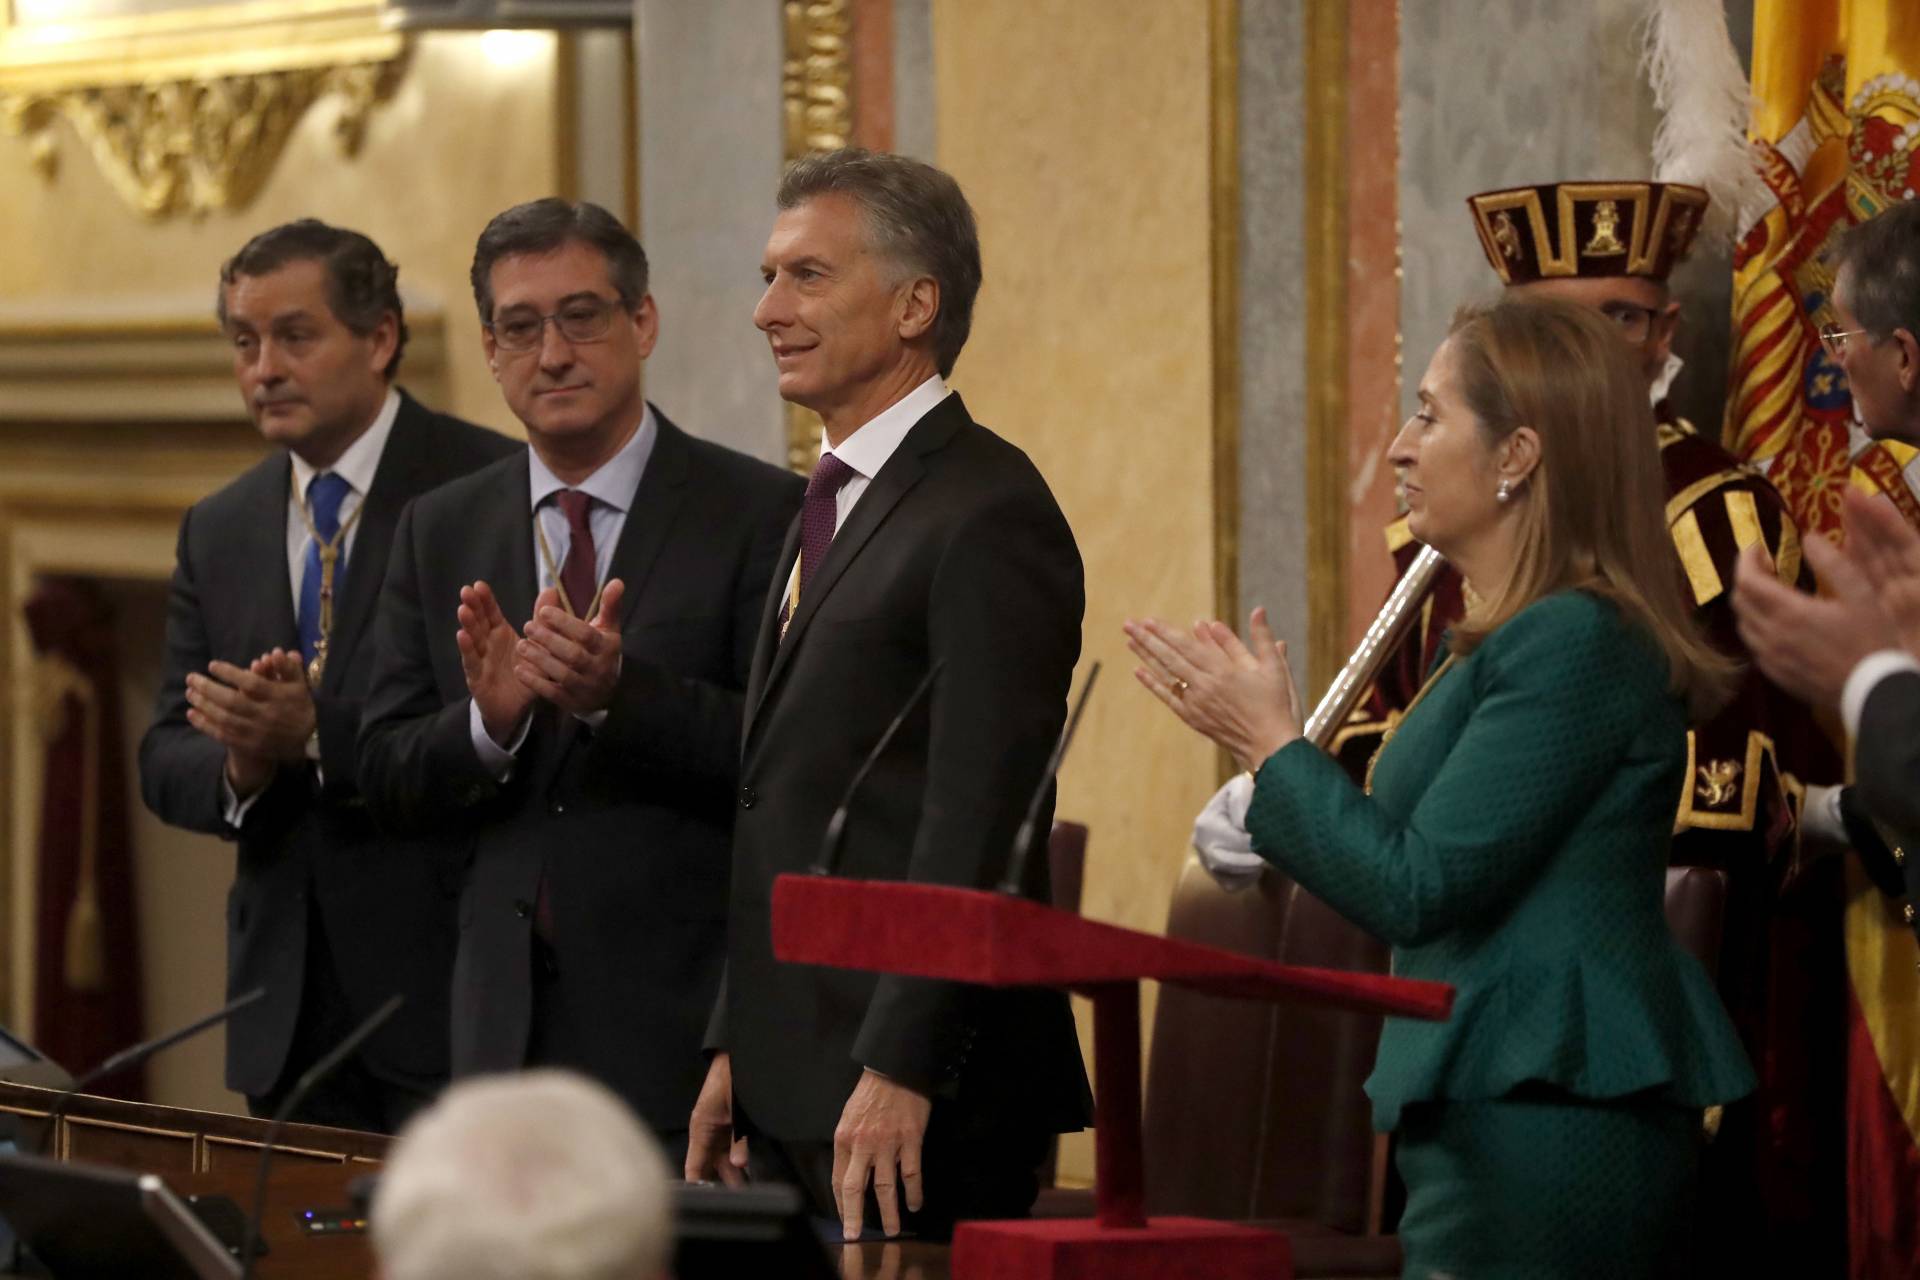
1696, 911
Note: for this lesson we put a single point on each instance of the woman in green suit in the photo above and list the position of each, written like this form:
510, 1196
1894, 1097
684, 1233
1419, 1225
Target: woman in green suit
1512, 837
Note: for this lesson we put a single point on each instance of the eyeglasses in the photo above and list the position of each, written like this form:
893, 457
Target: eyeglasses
1635, 321
1834, 339
581, 320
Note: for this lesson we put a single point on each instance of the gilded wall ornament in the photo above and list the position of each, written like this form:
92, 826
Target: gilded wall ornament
197, 145
816, 92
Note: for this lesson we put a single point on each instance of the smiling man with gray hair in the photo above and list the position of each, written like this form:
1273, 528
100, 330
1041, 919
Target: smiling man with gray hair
928, 550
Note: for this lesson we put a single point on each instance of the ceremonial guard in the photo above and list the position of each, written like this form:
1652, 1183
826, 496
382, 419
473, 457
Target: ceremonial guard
1775, 1168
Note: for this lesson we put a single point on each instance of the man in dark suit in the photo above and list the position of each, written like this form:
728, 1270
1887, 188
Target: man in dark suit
564, 640
926, 543
1852, 649
254, 734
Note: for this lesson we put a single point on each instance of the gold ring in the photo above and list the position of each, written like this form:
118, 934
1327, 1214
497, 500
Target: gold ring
1180, 688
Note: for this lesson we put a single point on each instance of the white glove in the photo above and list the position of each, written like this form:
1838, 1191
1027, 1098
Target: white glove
1221, 839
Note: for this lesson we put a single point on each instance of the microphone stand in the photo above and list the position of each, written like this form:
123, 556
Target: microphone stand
1023, 840
136, 1055
298, 1094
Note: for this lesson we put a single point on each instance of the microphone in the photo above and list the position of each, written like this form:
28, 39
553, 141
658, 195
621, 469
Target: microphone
837, 824
1023, 839
298, 1094
138, 1054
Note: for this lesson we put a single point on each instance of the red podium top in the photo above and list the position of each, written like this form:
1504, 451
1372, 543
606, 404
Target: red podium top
996, 940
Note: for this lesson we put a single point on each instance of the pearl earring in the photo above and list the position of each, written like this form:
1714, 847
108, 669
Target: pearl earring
1504, 492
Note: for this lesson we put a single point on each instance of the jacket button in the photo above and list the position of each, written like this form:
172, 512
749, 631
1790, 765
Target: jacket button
559, 808
747, 798
1899, 856
522, 908
1906, 912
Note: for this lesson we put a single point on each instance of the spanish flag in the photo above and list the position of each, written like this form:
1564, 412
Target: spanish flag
1836, 134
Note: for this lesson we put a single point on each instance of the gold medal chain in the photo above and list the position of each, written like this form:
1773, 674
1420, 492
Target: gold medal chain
329, 559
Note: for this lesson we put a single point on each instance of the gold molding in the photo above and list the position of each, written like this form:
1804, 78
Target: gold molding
187, 110
816, 93
1223, 213
1326, 76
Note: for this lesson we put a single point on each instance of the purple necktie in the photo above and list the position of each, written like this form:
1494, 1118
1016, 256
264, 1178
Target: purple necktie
817, 516
579, 574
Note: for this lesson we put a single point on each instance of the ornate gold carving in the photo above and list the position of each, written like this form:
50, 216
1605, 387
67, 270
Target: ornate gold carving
816, 90
1719, 782
817, 77
202, 144
1506, 235
1606, 223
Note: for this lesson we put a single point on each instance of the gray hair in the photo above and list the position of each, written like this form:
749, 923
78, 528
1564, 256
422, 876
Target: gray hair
543, 1175
542, 226
916, 215
1881, 260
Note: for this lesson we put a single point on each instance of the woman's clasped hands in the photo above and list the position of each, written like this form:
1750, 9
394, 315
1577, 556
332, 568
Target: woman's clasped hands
1242, 696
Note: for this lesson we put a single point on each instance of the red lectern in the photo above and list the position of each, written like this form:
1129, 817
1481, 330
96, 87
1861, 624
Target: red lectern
996, 940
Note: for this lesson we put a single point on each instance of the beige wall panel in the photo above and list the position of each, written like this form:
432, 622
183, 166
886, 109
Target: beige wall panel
469, 131
1079, 131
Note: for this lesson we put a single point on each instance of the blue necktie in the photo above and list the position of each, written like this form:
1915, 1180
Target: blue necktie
325, 493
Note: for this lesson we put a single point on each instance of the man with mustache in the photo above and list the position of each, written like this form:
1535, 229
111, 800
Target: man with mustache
253, 737
564, 640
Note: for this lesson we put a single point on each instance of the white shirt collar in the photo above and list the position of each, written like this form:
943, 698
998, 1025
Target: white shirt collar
1664, 383
362, 458
870, 445
614, 484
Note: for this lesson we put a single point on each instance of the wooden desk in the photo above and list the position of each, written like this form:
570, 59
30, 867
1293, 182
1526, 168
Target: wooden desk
292, 1254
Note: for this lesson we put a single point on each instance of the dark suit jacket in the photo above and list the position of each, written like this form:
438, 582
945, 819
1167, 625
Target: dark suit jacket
956, 554
387, 909
1886, 762
630, 823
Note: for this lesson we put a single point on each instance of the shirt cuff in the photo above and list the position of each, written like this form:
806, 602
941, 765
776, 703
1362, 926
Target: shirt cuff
494, 758
1867, 673
233, 808
1820, 815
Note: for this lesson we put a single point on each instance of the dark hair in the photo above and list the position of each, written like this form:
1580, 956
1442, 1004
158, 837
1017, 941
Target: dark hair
541, 226
362, 286
917, 216
1881, 259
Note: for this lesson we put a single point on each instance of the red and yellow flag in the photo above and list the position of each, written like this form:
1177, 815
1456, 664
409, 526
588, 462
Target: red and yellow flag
1836, 131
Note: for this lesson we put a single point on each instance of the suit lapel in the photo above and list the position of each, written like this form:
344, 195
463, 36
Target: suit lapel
395, 480
506, 546
900, 474
768, 642
651, 513
272, 620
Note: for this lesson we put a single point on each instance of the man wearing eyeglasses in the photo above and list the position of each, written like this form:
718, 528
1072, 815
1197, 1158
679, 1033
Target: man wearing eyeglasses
1876, 303
563, 648
1754, 770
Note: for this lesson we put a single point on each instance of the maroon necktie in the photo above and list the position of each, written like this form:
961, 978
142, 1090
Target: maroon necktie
579, 574
818, 516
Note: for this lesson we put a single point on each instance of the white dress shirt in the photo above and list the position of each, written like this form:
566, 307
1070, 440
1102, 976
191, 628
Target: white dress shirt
357, 466
612, 489
867, 449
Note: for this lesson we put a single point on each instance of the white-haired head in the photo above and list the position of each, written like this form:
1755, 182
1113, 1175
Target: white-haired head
543, 1175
